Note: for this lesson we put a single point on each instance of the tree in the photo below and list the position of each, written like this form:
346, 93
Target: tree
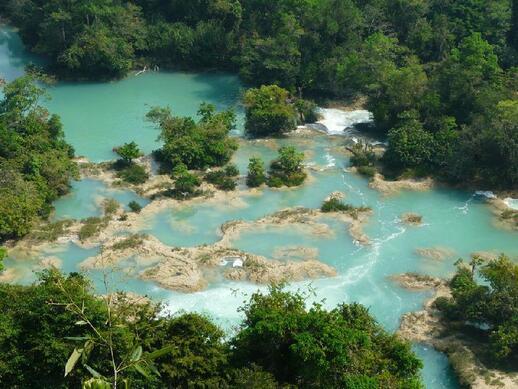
409, 144
128, 152
268, 111
197, 145
256, 173
185, 182
3, 254
489, 302
287, 168
35, 160
344, 347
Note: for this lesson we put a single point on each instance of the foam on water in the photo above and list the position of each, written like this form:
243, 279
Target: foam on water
511, 203
336, 121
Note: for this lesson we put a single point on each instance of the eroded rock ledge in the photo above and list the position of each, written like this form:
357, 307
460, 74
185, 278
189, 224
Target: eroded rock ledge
192, 269
426, 327
386, 187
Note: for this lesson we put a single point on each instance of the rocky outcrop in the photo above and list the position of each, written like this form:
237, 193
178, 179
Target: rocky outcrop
411, 218
435, 253
379, 183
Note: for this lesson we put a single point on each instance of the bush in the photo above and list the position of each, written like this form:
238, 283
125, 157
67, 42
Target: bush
287, 169
131, 241
134, 206
110, 206
307, 111
133, 174
91, 227
185, 183
363, 155
256, 173
368, 171
231, 170
335, 205
268, 111
222, 179
486, 295
197, 145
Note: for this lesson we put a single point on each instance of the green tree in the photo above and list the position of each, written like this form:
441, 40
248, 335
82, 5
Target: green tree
287, 168
185, 182
128, 152
344, 347
3, 255
197, 145
409, 144
35, 160
256, 173
487, 296
268, 111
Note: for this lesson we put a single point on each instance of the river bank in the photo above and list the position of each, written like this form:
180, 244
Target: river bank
427, 327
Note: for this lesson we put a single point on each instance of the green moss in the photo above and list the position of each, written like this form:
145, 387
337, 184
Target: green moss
91, 227
131, 241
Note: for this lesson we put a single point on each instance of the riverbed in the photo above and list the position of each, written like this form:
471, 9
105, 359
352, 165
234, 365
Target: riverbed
99, 116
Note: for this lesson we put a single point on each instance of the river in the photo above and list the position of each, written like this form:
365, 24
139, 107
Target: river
98, 116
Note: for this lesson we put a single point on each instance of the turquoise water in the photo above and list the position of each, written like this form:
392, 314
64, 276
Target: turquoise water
86, 197
98, 116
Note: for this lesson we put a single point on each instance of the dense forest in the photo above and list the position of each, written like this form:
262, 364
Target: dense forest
35, 161
57, 334
440, 76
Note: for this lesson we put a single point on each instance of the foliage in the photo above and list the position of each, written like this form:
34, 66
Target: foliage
35, 160
134, 206
306, 111
132, 241
287, 169
50, 232
363, 155
95, 341
110, 206
3, 254
268, 111
451, 62
318, 348
186, 183
256, 173
133, 174
486, 295
128, 152
197, 145
223, 179
333, 204
91, 227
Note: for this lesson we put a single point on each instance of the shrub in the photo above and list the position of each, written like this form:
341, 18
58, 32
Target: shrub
287, 169
50, 232
197, 145
363, 155
256, 173
268, 111
128, 152
231, 170
185, 183
368, 171
133, 174
134, 206
335, 205
91, 227
131, 241
110, 206
306, 111
222, 179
